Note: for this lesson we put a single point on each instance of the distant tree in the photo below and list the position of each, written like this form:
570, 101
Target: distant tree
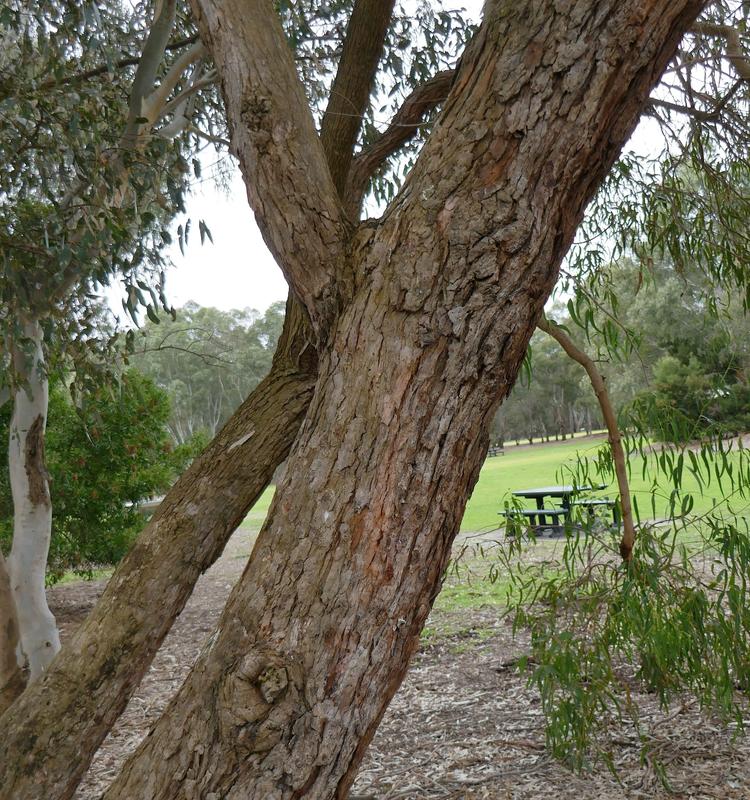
207, 361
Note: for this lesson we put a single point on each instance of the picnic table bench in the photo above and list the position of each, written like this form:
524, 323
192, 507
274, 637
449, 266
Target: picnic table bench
560, 516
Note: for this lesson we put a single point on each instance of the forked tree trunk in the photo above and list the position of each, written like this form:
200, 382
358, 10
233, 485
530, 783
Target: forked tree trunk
251, 446
52, 731
447, 289
32, 509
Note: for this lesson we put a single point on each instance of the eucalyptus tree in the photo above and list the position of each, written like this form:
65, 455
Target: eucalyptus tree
93, 138
407, 333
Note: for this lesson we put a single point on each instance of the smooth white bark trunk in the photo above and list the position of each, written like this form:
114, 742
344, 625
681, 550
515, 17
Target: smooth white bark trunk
32, 509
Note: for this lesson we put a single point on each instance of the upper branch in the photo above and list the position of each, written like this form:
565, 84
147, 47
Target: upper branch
272, 132
736, 55
342, 121
148, 65
402, 127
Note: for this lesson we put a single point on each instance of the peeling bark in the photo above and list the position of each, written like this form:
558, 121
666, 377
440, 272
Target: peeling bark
35, 464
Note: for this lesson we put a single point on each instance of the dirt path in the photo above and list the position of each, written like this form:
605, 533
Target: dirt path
463, 725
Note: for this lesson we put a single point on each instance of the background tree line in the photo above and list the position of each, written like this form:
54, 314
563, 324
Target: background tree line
677, 362
207, 361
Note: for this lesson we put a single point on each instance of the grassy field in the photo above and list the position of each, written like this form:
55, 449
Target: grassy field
520, 467
544, 465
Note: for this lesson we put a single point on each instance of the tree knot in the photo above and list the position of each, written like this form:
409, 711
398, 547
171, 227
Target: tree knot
252, 708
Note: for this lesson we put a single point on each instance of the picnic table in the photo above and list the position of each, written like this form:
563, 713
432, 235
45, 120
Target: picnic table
558, 517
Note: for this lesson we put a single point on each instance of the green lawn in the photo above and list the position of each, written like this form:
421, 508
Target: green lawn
258, 512
543, 465
547, 464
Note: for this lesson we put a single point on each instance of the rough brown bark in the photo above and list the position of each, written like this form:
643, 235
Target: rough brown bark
273, 135
287, 390
613, 429
355, 77
11, 677
52, 731
317, 636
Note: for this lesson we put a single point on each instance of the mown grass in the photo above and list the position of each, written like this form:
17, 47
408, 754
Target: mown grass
547, 464
525, 467
544, 465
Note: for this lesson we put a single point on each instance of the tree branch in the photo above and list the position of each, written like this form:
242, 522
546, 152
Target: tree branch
103, 69
180, 99
695, 113
402, 127
355, 77
610, 420
145, 74
272, 131
155, 103
734, 51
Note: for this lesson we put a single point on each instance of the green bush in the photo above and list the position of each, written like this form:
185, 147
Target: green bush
686, 403
109, 453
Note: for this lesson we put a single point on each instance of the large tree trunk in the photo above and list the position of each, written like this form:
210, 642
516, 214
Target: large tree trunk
32, 509
11, 676
52, 731
439, 300
447, 289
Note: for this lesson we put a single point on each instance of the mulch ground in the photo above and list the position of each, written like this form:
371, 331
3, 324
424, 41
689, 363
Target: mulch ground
463, 725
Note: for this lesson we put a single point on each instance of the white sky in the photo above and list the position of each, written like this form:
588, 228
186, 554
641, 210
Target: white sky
237, 271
